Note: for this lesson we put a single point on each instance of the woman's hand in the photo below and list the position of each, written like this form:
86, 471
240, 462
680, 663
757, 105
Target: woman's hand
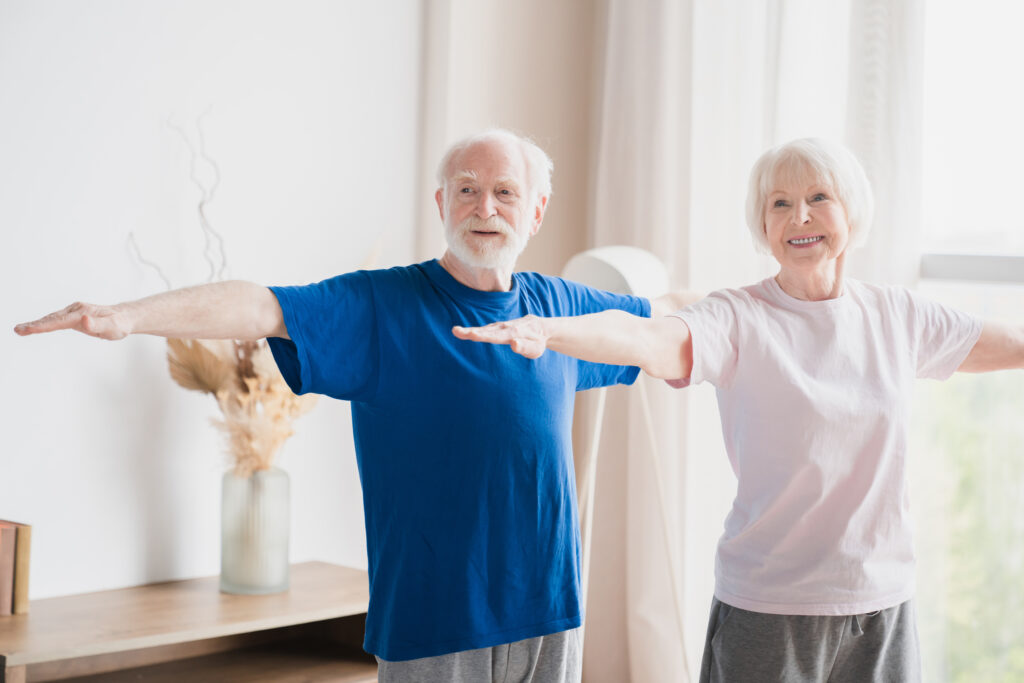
526, 336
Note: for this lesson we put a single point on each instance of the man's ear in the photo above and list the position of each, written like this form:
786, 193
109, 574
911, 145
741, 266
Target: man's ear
439, 198
538, 214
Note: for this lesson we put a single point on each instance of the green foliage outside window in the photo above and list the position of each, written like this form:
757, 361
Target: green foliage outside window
968, 497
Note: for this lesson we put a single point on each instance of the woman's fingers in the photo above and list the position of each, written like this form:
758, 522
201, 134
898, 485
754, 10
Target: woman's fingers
495, 333
522, 335
530, 348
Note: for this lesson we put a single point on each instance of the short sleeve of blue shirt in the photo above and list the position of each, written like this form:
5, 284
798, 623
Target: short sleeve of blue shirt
464, 449
336, 356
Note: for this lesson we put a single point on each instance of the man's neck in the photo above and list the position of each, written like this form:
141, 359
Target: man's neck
484, 279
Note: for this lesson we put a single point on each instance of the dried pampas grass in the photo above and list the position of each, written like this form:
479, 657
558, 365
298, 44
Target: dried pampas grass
257, 405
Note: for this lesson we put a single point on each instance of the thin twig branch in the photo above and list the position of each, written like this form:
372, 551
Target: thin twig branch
210, 236
134, 247
209, 197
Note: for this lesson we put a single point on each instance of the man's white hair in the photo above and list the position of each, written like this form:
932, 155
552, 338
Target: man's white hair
538, 164
829, 163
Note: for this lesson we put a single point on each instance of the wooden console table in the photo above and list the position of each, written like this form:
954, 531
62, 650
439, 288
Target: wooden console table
190, 631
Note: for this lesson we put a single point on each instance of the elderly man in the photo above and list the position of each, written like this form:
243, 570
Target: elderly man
464, 451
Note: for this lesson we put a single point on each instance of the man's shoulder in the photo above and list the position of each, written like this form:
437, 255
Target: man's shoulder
551, 286
363, 285
532, 280
568, 297
397, 276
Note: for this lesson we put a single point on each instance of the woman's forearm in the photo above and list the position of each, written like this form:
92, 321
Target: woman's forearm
660, 346
999, 347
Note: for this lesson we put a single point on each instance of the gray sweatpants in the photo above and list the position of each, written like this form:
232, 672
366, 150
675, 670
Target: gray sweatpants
744, 646
556, 658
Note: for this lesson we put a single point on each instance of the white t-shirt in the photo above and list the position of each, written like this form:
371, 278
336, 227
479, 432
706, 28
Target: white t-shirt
814, 398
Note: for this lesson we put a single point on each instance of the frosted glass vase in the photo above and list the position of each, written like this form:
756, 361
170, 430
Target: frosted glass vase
254, 527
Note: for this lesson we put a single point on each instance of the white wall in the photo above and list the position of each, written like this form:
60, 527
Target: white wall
313, 122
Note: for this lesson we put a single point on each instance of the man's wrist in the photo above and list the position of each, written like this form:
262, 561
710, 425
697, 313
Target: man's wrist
126, 317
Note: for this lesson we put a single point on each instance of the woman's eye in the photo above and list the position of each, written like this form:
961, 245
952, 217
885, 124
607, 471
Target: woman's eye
819, 197
779, 203
466, 190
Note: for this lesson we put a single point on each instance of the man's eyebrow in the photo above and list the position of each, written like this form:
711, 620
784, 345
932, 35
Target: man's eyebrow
507, 180
463, 176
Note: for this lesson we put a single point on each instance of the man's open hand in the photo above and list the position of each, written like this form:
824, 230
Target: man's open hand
526, 335
105, 322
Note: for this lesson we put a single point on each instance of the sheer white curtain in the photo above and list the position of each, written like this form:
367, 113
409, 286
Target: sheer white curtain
689, 93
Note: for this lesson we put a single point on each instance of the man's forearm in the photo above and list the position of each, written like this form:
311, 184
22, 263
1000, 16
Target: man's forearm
220, 310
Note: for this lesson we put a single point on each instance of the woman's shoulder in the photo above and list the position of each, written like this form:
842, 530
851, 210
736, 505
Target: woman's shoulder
751, 293
731, 301
872, 292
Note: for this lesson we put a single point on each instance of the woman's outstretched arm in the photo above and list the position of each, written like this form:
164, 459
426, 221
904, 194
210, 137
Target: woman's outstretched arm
1000, 347
660, 346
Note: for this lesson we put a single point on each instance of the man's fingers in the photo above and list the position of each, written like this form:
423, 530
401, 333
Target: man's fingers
55, 321
91, 320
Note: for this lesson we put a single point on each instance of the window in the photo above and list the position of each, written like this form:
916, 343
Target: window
967, 447
967, 486
974, 128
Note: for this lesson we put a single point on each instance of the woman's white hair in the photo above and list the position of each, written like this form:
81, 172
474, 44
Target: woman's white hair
538, 164
829, 163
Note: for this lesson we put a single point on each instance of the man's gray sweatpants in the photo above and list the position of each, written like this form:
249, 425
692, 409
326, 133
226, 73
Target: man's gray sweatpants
557, 658
743, 646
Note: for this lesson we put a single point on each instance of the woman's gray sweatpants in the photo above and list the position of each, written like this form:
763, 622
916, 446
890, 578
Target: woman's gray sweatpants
743, 646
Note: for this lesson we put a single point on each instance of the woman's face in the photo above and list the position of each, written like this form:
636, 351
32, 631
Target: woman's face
804, 221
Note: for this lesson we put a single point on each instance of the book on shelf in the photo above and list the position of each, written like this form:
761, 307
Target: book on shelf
14, 586
8, 536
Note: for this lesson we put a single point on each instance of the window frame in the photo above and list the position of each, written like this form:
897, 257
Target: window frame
972, 268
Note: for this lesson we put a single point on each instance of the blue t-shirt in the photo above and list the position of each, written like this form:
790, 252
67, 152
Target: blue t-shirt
464, 449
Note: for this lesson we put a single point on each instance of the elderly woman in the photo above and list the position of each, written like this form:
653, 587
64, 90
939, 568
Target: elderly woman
814, 374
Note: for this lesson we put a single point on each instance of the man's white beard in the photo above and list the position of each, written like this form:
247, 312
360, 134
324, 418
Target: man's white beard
484, 252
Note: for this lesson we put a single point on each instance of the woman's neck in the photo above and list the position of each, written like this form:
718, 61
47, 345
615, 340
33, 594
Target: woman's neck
818, 284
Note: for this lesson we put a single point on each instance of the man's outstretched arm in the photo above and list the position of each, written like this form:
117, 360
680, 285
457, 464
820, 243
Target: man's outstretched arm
220, 310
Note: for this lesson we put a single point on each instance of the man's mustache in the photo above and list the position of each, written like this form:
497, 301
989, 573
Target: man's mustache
492, 224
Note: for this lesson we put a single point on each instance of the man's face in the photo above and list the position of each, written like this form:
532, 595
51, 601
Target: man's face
486, 205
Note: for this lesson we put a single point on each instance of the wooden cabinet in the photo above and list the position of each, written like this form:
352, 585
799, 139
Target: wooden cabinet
190, 631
